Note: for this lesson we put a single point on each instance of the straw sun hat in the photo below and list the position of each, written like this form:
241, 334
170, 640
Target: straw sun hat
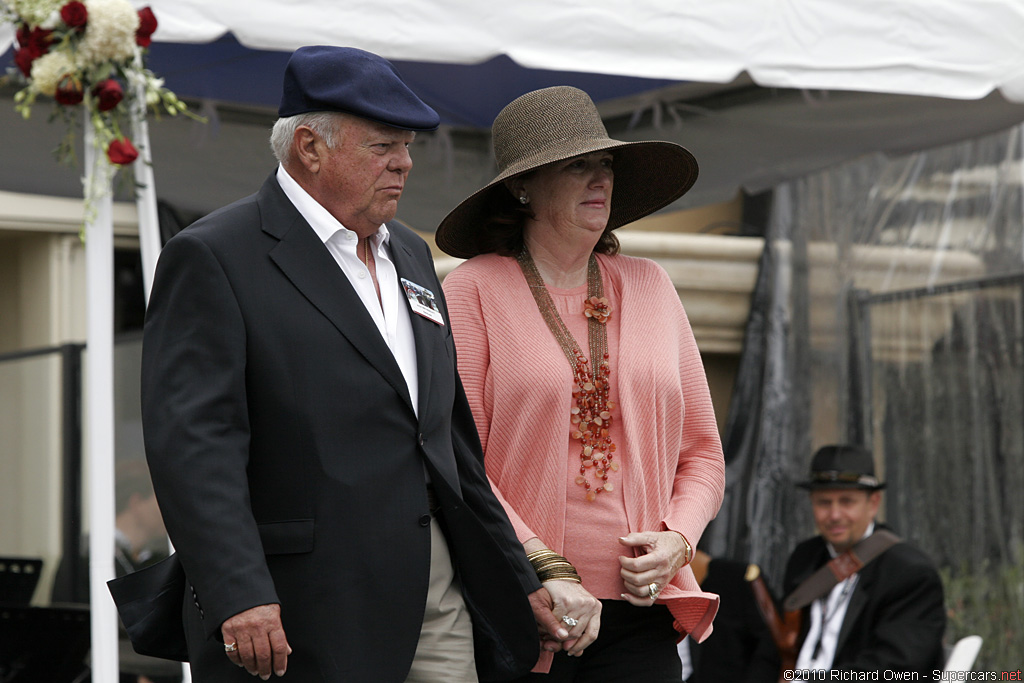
554, 124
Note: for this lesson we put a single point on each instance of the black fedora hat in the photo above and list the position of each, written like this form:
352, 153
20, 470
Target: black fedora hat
842, 466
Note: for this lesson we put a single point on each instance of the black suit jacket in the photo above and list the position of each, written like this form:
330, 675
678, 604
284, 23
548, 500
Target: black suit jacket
896, 617
290, 466
740, 649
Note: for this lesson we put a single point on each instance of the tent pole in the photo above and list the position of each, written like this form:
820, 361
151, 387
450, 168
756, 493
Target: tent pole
99, 402
145, 199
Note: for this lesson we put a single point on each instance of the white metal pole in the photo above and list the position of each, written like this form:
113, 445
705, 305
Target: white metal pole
145, 200
99, 402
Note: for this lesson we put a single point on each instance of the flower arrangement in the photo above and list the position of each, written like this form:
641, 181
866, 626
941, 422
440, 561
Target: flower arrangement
88, 54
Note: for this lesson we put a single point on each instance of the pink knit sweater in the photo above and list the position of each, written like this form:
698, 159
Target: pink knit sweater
518, 383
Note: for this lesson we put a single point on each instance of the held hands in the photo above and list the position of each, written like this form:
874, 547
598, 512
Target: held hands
570, 599
663, 554
255, 640
568, 617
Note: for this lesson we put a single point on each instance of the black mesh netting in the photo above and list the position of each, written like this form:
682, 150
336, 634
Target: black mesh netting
889, 311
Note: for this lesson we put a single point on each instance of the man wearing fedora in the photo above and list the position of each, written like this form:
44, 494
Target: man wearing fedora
311, 445
878, 604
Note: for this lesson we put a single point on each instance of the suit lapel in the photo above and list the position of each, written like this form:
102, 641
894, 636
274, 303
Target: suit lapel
858, 601
427, 333
868, 577
305, 261
853, 608
430, 338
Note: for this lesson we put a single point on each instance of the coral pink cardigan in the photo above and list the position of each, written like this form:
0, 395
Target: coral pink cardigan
664, 409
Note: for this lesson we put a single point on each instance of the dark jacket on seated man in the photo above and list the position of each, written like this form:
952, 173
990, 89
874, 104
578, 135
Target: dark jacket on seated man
740, 649
894, 614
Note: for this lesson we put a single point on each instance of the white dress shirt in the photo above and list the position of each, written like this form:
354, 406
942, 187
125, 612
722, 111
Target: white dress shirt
827, 614
683, 648
391, 311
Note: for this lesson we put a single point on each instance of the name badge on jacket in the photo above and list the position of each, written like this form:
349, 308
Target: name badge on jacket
421, 301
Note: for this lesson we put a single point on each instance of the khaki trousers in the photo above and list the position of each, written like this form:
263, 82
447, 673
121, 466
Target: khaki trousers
445, 650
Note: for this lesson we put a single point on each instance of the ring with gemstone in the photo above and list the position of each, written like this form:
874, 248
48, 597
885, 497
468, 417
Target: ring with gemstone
230, 647
653, 589
569, 621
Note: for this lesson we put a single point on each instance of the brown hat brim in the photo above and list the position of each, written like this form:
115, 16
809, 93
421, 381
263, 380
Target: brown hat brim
864, 483
649, 175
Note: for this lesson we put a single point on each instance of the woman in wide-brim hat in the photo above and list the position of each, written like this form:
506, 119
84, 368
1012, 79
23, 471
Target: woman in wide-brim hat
586, 384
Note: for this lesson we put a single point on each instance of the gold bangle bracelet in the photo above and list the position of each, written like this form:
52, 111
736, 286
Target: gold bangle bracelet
550, 563
688, 551
561, 577
551, 566
542, 555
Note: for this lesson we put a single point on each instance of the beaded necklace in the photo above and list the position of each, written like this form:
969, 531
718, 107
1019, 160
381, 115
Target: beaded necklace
591, 415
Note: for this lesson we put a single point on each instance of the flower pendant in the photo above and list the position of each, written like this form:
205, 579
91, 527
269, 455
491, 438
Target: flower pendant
597, 308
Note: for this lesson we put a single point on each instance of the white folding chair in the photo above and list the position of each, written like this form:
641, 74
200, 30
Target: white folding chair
963, 654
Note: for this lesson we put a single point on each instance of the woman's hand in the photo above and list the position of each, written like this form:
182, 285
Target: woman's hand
664, 554
571, 599
567, 599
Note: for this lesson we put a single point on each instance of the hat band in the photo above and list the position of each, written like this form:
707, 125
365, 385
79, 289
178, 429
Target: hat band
832, 476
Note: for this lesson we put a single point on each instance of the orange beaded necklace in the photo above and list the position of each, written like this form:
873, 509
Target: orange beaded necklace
591, 414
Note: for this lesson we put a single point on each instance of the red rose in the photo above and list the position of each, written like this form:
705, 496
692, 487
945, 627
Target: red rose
108, 94
147, 26
32, 44
122, 152
69, 90
24, 58
74, 14
39, 40
35, 40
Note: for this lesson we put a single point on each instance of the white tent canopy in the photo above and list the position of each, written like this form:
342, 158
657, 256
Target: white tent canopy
895, 76
962, 49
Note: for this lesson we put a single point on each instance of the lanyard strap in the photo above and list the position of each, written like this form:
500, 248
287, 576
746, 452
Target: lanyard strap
839, 569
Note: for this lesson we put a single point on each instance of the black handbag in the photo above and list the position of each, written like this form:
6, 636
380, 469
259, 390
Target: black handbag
149, 602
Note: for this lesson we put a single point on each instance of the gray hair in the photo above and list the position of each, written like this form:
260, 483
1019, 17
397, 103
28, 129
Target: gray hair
326, 124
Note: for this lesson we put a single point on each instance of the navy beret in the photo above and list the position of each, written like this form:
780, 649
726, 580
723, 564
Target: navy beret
345, 79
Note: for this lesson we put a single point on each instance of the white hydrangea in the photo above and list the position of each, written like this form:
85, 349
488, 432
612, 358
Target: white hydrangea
49, 69
37, 12
110, 33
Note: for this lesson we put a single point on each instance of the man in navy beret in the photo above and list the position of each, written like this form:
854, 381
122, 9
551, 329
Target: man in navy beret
310, 443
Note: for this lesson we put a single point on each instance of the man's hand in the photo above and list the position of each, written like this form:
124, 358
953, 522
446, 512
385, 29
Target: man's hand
259, 636
552, 633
